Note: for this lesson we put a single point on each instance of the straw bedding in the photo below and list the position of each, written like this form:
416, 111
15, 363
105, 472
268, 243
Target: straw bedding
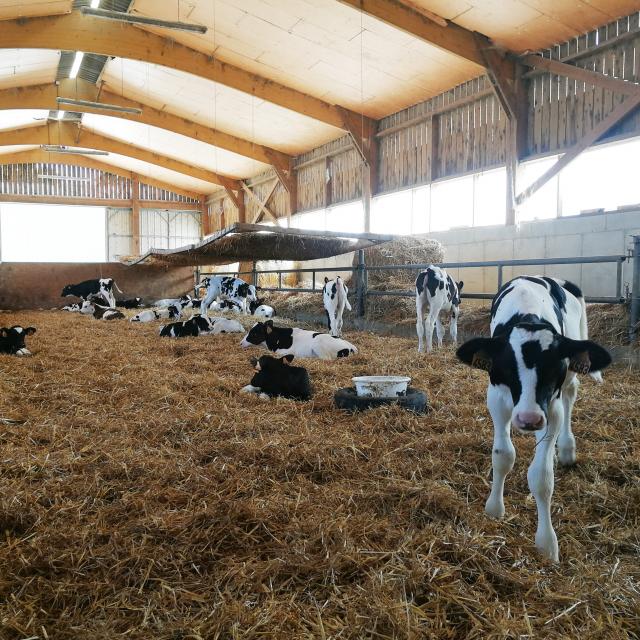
142, 497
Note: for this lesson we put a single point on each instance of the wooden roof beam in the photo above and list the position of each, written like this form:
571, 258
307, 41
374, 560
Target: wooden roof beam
70, 134
423, 25
44, 96
583, 75
40, 155
78, 32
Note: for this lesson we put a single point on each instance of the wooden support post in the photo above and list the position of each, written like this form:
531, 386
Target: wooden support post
433, 144
205, 220
238, 201
135, 214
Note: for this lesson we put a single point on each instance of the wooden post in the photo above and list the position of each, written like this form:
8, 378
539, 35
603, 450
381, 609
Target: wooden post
205, 220
135, 214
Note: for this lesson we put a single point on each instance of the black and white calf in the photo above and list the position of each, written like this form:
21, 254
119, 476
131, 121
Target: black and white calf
276, 377
131, 303
436, 291
149, 315
181, 302
102, 286
200, 325
12, 340
73, 308
100, 312
297, 342
334, 297
538, 344
228, 288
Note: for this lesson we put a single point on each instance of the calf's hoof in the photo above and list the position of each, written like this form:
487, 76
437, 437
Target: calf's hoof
547, 545
567, 457
494, 509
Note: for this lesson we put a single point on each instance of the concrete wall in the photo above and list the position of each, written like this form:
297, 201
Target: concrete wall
583, 235
38, 285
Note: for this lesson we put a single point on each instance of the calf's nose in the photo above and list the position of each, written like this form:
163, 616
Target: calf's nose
530, 420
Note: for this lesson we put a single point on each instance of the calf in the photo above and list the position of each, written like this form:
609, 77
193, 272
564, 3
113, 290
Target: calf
179, 330
275, 377
102, 286
181, 302
149, 315
538, 343
73, 308
297, 342
228, 288
437, 290
334, 296
132, 303
100, 312
263, 311
12, 340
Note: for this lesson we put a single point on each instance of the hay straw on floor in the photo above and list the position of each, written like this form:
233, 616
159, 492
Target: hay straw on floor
142, 497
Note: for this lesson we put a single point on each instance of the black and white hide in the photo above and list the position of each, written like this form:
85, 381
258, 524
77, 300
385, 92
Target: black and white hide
181, 302
228, 288
149, 315
72, 308
538, 345
276, 377
99, 312
334, 297
131, 303
101, 286
12, 340
436, 293
201, 325
297, 342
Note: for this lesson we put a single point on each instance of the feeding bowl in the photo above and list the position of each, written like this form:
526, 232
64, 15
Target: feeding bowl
381, 386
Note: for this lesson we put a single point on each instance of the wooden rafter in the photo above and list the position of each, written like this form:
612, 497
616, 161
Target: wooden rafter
85, 33
621, 111
40, 155
44, 97
583, 75
103, 202
70, 134
451, 38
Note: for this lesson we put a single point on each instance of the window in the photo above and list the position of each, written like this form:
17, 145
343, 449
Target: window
391, 213
309, 220
348, 218
604, 177
490, 198
452, 203
52, 233
543, 203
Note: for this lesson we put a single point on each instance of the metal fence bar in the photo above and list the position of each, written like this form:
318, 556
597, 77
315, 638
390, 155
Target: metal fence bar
634, 316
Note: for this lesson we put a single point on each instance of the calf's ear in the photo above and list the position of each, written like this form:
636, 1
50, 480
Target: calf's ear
584, 356
288, 359
478, 353
326, 279
30, 330
460, 285
4, 332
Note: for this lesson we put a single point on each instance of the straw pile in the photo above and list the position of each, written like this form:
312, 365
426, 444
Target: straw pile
142, 497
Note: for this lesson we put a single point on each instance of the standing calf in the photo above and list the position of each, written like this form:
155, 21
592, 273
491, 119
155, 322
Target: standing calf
538, 344
437, 290
334, 296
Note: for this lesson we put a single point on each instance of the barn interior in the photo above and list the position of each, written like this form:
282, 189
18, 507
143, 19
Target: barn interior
157, 142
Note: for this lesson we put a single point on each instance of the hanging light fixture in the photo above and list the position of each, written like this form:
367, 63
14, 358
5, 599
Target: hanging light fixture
75, 67
60, 148
119, 16
99, 105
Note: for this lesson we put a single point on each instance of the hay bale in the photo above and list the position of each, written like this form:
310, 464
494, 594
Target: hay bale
406, 250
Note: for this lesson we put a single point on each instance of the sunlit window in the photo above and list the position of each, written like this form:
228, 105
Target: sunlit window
605, 177
310, 220
348, 218
490, 198
52, 233
543, 203
452, 203
421, 209
391, 213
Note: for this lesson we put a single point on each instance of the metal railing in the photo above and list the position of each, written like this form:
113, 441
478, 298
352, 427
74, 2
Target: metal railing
360, 273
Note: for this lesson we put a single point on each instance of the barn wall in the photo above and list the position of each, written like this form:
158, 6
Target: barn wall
35, 285
583, 235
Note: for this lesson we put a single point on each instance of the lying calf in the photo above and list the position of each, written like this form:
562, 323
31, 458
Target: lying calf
132, 303
275, 377
12, 340
199, 325
73, 308
176, 302
297, 342
149, 315
100, 312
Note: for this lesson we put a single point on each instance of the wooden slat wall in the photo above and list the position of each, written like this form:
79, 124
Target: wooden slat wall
562, 110
77, 182
278, 203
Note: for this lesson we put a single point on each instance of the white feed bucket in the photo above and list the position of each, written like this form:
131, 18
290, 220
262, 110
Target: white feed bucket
381, 386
